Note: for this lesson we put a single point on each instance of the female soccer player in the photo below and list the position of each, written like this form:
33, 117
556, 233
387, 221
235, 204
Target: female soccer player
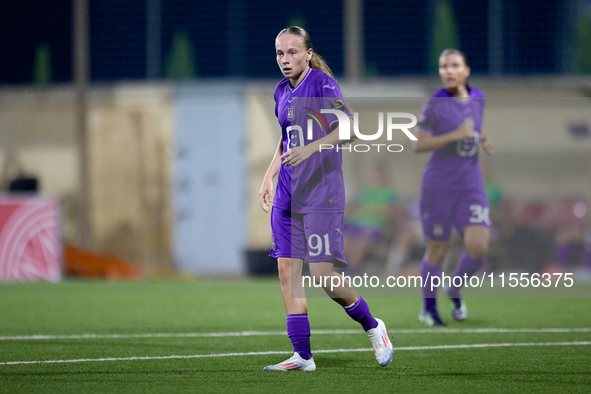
308, 205
452, 188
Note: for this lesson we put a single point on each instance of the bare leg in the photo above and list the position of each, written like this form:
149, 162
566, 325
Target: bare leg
290, 276
435, 252
344, 294
476, 241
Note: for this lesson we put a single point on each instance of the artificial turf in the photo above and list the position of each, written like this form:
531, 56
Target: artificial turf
73, 308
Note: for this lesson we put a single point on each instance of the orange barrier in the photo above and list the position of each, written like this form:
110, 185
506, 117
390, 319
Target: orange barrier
85, 263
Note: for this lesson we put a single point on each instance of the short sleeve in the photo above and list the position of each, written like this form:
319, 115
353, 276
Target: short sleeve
427, 121
332, 98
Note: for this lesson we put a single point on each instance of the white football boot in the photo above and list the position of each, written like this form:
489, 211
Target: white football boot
382, 347
293, 363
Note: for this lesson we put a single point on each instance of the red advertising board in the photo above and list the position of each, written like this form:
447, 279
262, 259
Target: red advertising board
30, 245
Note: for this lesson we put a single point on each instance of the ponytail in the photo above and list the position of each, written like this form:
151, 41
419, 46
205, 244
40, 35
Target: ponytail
317, 62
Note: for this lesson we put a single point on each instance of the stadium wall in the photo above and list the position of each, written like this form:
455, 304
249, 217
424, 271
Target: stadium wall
138, 173
130, 138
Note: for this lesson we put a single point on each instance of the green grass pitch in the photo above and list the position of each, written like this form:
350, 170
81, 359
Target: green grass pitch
66, 310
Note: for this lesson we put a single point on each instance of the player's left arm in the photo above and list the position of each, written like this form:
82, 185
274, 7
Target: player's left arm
296, 156
486, 143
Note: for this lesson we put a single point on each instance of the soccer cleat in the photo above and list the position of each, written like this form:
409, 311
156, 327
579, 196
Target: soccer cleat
430, 318
293, 363
382, 347
459, 314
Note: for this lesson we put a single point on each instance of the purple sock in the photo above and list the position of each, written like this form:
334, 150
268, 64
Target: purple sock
429, 296
361, 314
563, 253
468, 266
298, 331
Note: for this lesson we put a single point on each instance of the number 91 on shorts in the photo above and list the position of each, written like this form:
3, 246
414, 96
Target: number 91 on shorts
315, 237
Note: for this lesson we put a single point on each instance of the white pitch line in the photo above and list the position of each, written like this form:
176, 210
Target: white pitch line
314, 332
481, 345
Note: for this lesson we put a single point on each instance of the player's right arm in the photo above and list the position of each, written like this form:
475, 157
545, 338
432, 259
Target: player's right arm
267, 186
427, 142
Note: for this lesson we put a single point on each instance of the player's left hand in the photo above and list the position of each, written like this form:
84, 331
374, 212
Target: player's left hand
487, 146
296, 156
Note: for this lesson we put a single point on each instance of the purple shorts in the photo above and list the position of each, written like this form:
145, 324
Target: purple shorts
440, 209
312, 237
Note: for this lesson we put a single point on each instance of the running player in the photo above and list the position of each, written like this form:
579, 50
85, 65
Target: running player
452, 188
308, 206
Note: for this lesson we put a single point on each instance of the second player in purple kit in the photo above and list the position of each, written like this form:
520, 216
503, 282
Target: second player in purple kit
452, 188
308, 205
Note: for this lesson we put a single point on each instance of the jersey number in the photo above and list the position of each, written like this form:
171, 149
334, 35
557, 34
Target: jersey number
479, 214
315, 245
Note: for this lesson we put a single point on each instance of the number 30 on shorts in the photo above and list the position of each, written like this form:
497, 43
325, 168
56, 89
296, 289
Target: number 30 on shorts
479, 214
316, 246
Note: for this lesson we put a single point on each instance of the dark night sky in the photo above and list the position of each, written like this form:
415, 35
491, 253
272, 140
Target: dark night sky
234, 38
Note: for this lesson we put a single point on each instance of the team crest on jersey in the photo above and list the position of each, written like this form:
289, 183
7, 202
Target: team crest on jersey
290, 113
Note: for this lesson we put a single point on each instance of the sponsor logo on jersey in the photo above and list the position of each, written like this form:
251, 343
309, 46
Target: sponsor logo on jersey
338, 104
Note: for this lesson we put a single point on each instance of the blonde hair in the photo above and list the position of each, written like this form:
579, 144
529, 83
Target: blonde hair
316, 62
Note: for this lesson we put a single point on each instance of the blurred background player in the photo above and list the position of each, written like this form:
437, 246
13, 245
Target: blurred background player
370, 220
573, 234
499, 218
307, 217
408, 240
452, 186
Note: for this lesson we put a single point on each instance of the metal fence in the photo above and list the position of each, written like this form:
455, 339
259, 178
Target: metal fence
155, 39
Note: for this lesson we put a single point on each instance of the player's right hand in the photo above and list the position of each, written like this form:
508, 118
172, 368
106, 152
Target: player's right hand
466, 130
266, 190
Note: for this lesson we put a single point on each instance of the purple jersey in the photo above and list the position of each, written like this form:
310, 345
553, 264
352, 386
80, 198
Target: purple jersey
316, 185
454, 166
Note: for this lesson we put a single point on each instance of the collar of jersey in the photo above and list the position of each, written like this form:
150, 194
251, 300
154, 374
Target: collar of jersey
292, 90
459, 99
